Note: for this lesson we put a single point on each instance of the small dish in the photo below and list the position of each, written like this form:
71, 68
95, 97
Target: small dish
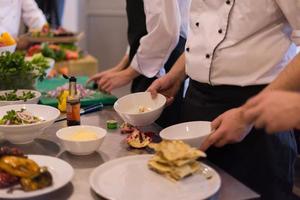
33, 100
192, 133
80, 145
140, 109
11, 48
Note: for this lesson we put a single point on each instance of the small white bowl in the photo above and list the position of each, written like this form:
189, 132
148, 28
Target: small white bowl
22, 134
34, 100
11, 48
84, 147
192, 133
128, 108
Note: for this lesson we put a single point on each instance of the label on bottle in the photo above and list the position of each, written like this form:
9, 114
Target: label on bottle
73, 113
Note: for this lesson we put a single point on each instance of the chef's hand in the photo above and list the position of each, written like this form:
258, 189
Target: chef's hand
119, 67
228, 128
105, 73
167, 86
275, 111
113, 80
22, 42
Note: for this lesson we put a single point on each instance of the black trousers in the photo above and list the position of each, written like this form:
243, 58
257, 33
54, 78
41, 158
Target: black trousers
53, 10
263, 162
170, 114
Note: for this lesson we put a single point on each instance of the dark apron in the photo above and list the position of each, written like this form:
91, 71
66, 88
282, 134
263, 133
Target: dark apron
136, 25
170, 114
263, 162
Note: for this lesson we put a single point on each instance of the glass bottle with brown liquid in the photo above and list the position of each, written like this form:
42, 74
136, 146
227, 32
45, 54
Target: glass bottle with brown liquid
73, 104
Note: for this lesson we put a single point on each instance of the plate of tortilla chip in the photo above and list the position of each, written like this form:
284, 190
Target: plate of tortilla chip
173, 172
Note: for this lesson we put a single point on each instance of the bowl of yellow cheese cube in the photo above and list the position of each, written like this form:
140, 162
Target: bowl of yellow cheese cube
7, 43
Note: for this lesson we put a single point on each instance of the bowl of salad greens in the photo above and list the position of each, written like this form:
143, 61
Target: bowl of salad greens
21, 124
17, 73
11, 97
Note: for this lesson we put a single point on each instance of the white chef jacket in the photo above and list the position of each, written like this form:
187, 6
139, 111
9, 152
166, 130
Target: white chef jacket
166, 20
11, 12
241, 42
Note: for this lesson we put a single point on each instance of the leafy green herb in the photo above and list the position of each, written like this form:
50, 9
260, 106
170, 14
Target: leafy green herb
57, 54
10, 118
12, 96
71, 46
13, 117
40, 65
17, 73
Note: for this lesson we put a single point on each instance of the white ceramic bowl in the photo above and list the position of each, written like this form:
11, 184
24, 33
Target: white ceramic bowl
128, 108
11, 48
34, 100
22, 134
81, 147
192, 133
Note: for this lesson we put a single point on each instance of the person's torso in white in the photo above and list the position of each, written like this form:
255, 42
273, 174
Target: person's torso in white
184, 19
11, 13
238, 42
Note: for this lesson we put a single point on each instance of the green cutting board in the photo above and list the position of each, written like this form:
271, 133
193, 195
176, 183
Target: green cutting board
51, 84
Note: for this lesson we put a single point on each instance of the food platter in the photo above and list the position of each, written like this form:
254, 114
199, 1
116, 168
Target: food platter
60, 170
129, 178
62, 39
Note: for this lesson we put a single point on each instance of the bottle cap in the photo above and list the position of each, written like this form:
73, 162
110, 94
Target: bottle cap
72, 79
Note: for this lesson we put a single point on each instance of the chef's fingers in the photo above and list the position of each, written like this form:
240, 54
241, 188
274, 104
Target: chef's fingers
154, 88
252, 102
251, 114
94, 78
106, 86
259, 122
212, 139
216, 122
170, 100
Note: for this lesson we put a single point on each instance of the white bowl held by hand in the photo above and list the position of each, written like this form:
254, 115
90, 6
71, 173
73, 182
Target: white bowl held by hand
140, 109
21, 134
192, 133
33, 100
75, 139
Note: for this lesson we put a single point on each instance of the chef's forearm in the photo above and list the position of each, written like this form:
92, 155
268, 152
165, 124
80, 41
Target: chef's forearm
124, 62
289, 78
178, 70
131, 73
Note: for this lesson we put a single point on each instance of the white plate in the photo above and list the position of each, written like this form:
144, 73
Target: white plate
61, 172
129, 178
